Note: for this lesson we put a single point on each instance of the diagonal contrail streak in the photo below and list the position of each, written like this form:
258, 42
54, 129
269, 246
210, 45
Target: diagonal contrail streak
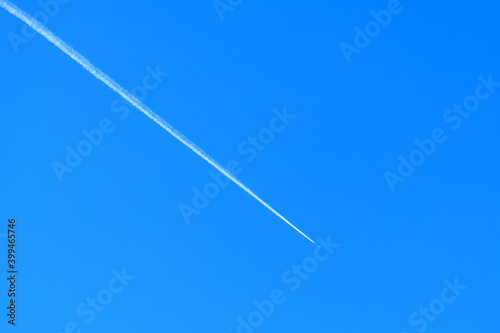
41, 29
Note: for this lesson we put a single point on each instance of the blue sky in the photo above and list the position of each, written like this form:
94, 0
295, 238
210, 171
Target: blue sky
418, 255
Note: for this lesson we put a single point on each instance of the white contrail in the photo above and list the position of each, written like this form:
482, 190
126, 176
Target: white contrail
41, 29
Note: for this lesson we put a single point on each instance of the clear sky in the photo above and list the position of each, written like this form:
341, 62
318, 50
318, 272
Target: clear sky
376, 132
